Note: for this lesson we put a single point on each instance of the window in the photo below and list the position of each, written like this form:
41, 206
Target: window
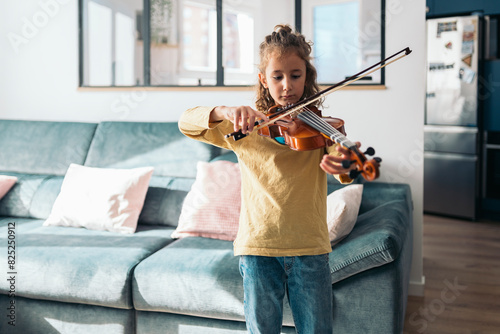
192, 59
215, 42
109, 44
239, 49
348, 37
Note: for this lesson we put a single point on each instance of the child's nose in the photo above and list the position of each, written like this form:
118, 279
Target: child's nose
287, 83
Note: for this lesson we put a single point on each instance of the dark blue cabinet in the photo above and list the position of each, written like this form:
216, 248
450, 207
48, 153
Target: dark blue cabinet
440, 8
489, 93
491, 7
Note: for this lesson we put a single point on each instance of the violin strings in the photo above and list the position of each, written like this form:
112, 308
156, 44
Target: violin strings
321, 125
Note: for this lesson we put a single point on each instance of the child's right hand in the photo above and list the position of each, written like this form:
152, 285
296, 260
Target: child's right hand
243, 117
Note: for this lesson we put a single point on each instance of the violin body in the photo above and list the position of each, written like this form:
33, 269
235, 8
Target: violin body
300, 136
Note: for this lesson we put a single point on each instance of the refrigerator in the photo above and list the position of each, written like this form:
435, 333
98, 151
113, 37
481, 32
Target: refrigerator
451, 170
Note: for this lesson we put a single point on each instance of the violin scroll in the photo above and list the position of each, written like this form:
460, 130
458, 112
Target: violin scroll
369, 169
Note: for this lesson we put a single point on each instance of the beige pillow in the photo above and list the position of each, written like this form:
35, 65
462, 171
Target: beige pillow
101, 198
211, 209
343, 207
6, 182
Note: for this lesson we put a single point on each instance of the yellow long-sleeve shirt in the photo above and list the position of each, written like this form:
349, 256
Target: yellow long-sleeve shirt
283, 208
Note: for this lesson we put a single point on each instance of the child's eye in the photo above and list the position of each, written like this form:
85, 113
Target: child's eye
278, 77
296, 76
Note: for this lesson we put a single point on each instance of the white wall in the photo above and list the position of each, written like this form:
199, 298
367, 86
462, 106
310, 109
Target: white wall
39, 78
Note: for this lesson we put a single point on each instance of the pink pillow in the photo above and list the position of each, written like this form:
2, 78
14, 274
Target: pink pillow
6, 182
211, 209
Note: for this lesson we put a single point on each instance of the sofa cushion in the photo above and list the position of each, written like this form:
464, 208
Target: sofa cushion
226, 155
21, 199
45, 196
164, 200
378, 193
48, 317
36, 147
160, 145
170, 323
194, 276
376, 239
6, 183
33, 196
77, 265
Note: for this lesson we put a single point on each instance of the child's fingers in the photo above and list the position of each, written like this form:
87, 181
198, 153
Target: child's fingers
246, 118
332, 164
346, 151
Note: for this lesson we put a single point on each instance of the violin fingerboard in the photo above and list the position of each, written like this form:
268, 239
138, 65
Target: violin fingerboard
316, 122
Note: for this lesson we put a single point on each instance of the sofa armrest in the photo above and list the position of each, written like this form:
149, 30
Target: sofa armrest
371, 267
376, 239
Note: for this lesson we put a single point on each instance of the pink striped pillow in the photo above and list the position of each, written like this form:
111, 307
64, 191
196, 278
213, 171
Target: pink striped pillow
6, 182
211, 209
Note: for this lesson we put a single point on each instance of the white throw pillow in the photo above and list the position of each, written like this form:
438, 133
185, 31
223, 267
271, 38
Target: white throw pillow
6, 182
343, 207
101, 198
211, 209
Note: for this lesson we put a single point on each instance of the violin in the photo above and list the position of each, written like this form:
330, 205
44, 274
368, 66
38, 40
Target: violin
310, 131
298, 135
307, 130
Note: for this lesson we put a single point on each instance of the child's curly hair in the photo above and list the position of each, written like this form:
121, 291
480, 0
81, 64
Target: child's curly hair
281, 42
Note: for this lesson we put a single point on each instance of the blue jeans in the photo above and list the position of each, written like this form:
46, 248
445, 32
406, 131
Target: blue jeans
305, 279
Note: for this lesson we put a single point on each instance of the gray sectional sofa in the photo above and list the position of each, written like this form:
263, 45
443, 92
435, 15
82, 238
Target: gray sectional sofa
74, 280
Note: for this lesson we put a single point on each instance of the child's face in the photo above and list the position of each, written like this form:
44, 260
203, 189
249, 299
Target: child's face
285, 78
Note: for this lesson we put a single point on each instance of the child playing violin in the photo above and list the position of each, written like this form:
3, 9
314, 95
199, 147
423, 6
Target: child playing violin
282, 240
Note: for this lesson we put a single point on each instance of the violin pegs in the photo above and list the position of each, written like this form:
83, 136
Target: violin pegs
347, 163
354, 173
377, 159
369, 151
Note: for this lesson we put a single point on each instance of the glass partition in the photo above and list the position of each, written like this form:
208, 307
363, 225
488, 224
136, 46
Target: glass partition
216, 42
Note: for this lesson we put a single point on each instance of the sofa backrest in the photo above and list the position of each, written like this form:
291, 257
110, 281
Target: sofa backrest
38, 147
39, 153
160, 145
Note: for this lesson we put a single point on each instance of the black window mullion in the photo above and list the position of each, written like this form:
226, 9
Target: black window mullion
298, 15
80, 43
146, 39
220, 67
382, 41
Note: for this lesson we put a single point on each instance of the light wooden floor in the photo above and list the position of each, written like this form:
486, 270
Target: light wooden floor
462, 279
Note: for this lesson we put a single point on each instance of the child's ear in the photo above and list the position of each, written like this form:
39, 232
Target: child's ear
262, 79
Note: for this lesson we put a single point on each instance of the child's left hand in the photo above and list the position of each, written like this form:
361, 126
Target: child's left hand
332, 164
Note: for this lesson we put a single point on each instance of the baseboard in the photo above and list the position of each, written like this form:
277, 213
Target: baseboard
417, 288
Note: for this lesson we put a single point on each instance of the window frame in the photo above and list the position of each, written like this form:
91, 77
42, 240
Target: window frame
382, 45
146, 36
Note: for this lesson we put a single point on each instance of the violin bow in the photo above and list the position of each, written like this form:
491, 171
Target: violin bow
286, 111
